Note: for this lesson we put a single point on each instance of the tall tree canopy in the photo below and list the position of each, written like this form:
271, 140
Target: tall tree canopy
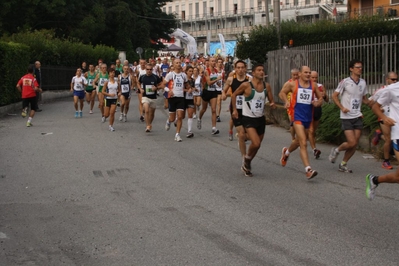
123, 24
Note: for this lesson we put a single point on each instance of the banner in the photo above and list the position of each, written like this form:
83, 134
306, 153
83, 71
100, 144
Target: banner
187, 39
222, 44
215, 48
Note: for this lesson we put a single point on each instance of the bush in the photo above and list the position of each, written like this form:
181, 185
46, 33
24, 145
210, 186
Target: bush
13, 65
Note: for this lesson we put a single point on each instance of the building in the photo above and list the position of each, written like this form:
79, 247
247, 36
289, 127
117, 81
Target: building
205, 19
388, 8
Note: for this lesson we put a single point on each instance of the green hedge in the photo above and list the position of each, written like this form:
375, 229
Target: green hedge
13, 65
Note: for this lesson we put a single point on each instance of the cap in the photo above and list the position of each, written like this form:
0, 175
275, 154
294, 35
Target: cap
159, 58
187, 61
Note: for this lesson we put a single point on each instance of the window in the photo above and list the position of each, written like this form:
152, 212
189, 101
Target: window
190, 10
196, 10
211, 11
183, 15
235, 9
177, 10
307, 2
170, 10
393, 2
295, 2
204, 8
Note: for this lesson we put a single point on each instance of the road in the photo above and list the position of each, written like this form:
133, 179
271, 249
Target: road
74, 193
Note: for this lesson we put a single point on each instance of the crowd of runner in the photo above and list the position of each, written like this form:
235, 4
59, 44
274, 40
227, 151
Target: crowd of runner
190, 86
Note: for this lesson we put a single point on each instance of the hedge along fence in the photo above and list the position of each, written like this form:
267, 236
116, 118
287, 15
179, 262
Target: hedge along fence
22, 49
13, 65
49, 50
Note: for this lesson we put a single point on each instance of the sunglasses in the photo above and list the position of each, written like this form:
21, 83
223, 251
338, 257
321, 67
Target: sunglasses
394, 79
148, 69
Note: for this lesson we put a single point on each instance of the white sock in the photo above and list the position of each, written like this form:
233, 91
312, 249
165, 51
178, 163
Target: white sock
190, 124
213, 128
307, 168
30, 119
287, 152
336, 150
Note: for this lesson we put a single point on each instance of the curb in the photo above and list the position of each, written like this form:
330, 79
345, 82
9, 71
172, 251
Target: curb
47, 96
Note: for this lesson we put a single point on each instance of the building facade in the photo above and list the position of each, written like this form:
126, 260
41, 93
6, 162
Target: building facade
205, 19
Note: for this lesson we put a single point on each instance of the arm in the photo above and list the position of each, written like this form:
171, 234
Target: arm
324, 94
241, 90
208, 79
378, 112
319, 96
226, 87
287, 88
96, 80
270, 96
338, 103
104, 91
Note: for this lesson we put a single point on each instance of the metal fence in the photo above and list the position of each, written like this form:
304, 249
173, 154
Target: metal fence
57, 77
330, 60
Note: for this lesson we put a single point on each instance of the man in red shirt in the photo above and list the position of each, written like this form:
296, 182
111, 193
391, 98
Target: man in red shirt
28, 86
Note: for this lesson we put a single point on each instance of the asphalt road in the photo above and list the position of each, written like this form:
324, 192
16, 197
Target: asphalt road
82, 195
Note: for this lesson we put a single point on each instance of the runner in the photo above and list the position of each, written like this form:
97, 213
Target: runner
90, 91
391, 78
294, 76
353, 92
219, 88
234, 83
149, 84
126, 84
209, 95
110, 92
198, 90
101, 78
388, 97
176, 81
189, 100
317, 112
301, 104
140, 71
28, 86
78, 85
253, 119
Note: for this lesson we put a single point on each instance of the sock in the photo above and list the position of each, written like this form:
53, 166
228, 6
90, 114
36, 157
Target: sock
231, 132
343, 163
375, 180
190, 124
213, 128
386, 160
246, 157
287, 153
30, 119
336, 150
167, 121
314, 149
307, 168
177, 134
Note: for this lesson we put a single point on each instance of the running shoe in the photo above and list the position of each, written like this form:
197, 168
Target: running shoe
121, 117
147, 129
230, 135
194, 116
178, 138
76, 114
23, 114
284, 157
125, 118
190, 135
316, 153
80, 114
387, 165
333, 155
246, 164
199, 123
376, 137
344, 168
311, 173
218, 119
215, 131
29, 124
370, 186
91, 112
111, 129
167, 125
103, 119
141, 118
246, 171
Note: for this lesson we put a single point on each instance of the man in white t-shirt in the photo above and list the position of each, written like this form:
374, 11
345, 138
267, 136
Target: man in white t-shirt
389, 97
174, 84
353, 92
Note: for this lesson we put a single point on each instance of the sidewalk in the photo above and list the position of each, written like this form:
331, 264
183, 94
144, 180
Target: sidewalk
47, 96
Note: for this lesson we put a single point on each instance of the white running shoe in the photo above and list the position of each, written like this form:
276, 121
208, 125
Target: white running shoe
121, 117
111, 128
178, 138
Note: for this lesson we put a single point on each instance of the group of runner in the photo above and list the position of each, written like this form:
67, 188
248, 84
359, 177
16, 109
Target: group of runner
188, 84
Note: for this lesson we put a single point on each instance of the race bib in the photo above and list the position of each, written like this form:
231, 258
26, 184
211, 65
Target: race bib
148, 90
78, 87
239, 101
125, 88
355, 105
257, 107
304, 96
101, 82
90, 82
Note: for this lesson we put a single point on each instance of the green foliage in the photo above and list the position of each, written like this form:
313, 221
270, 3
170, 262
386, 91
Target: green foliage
13, 65
49, 50
329, 129
263, 39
